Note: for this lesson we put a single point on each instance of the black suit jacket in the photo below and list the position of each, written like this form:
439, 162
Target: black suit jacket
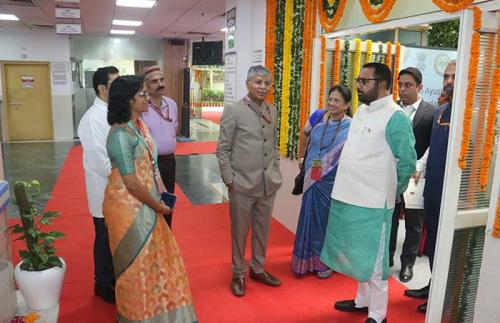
422, 126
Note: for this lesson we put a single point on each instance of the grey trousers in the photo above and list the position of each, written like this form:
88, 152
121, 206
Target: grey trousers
249, 212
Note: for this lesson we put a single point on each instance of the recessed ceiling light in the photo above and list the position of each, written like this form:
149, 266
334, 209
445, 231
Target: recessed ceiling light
133, 23
136, 3
122, 32
4, 16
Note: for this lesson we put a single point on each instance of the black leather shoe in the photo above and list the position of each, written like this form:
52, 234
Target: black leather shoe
265, 278
370, 320
238, 286
418, 293
422, 308
107, 293
349, 306
406, 274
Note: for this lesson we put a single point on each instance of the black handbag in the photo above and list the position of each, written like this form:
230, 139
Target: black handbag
299, 179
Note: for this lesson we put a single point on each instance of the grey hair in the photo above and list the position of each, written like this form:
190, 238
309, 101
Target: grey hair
258, 70
452, 62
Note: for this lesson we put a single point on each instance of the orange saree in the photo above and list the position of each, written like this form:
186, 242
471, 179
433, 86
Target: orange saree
151, 281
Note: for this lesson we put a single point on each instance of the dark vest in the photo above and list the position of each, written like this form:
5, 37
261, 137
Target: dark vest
436, 162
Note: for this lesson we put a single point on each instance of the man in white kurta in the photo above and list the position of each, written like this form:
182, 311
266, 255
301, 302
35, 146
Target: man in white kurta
375, 166
93, 132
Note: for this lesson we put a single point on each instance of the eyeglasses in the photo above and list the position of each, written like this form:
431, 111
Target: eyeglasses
363, 81
143, 94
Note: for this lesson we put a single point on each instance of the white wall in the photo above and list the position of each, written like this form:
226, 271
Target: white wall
44, 47
249, 37
118, 48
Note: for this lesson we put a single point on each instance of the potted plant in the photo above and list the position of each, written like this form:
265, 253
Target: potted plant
40, 273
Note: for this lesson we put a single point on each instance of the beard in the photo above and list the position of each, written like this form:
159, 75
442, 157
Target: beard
368, 97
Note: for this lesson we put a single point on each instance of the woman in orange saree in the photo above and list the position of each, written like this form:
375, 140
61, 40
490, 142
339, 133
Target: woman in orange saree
151, 281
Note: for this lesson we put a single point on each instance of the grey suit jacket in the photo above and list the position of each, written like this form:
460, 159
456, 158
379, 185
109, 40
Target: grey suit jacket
247, 150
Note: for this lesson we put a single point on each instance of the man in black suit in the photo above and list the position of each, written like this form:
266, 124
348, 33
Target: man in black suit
421, 113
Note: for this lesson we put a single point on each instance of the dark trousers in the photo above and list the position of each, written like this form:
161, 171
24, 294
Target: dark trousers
432, 209
166, 164
103, 262
414, 220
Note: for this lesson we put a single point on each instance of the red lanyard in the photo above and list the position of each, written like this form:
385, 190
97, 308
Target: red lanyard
157, 110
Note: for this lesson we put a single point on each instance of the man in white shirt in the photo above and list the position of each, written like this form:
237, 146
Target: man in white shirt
93, 132
421, 114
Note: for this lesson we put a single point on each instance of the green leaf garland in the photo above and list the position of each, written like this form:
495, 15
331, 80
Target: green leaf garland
295, 83
278, 61
345, 63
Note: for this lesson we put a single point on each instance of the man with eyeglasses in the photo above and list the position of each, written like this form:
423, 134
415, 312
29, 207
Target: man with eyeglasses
248, 156
436, 163
161, 119
93, 132
421, 113
376, 164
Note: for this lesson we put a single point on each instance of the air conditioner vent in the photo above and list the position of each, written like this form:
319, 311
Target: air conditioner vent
28, 3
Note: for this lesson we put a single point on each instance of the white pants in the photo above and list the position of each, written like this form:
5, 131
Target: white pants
374, 292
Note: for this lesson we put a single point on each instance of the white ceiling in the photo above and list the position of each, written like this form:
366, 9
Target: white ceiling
168, 18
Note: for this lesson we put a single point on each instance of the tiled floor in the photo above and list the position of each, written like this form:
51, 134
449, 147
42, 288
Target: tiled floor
33, 161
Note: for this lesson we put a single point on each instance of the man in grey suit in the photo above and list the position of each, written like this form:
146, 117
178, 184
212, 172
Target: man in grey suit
421, 113
249, 164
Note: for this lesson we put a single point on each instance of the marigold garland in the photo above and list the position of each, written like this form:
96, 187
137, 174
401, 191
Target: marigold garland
322, 76
285, 95
355, 72
379, 14
492, 114
270, 41
479, 135
305, 96
395, 84
330, 13
496, 224
388, 57
336, 63
471, 88
369, 51
452, 5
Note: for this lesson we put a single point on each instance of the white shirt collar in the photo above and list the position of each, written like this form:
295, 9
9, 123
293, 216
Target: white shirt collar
380, 103
100, 104
415, 104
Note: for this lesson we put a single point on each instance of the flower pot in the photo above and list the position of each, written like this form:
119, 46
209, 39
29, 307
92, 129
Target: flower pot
40, 289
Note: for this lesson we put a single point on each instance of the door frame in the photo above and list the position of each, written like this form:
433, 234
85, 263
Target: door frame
4, 122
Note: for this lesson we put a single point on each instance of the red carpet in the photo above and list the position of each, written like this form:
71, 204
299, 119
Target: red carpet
195, 147
212, 116
203, 235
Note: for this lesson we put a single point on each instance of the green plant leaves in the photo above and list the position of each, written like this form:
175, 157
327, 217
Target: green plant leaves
40, 253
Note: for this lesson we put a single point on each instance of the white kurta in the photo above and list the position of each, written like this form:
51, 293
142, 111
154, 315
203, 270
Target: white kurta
93, 132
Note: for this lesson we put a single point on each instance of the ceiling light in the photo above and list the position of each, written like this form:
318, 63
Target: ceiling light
136, 3
133, 23
122, 32
224, 30
4, 16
